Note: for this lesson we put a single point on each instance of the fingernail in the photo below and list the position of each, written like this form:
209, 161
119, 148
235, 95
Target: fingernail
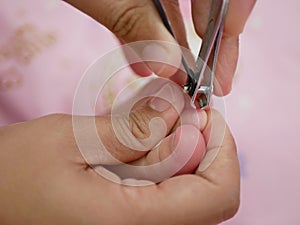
163, 99
162, 57
208, 159
155, 54
158, 104
203, 119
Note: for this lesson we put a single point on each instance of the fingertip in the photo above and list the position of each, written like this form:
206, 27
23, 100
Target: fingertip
224, 89
203, 118
162, 57
221, 148
179, 77
168, 91
141, 69
227, 64
190, 148
238, 9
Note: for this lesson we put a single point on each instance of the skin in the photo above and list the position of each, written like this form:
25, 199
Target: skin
138, 20
45, 179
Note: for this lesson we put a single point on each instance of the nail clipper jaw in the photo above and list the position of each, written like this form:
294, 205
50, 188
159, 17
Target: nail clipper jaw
190, 85
204, 92
203, 96
201, 92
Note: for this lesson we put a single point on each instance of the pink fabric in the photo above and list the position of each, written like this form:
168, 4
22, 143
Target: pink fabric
262, 110
45, 47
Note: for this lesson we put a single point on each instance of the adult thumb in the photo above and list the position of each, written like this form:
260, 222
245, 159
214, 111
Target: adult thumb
137, 20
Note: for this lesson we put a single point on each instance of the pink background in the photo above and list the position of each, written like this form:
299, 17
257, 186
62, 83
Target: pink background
45, 47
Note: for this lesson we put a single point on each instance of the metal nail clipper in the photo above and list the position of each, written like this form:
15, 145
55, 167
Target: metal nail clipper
199, 84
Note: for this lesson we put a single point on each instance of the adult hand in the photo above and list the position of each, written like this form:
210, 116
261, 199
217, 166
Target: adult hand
138, 20
45, 179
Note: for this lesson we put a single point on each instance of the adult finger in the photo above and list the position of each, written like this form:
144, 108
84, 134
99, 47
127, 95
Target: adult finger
179, 153
186, 140
208, 197
137, 20
237, 15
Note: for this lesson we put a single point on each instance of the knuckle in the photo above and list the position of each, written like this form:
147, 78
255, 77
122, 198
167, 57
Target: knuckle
139, 124
127, 21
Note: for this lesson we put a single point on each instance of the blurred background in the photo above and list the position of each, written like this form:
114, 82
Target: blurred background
45, 47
